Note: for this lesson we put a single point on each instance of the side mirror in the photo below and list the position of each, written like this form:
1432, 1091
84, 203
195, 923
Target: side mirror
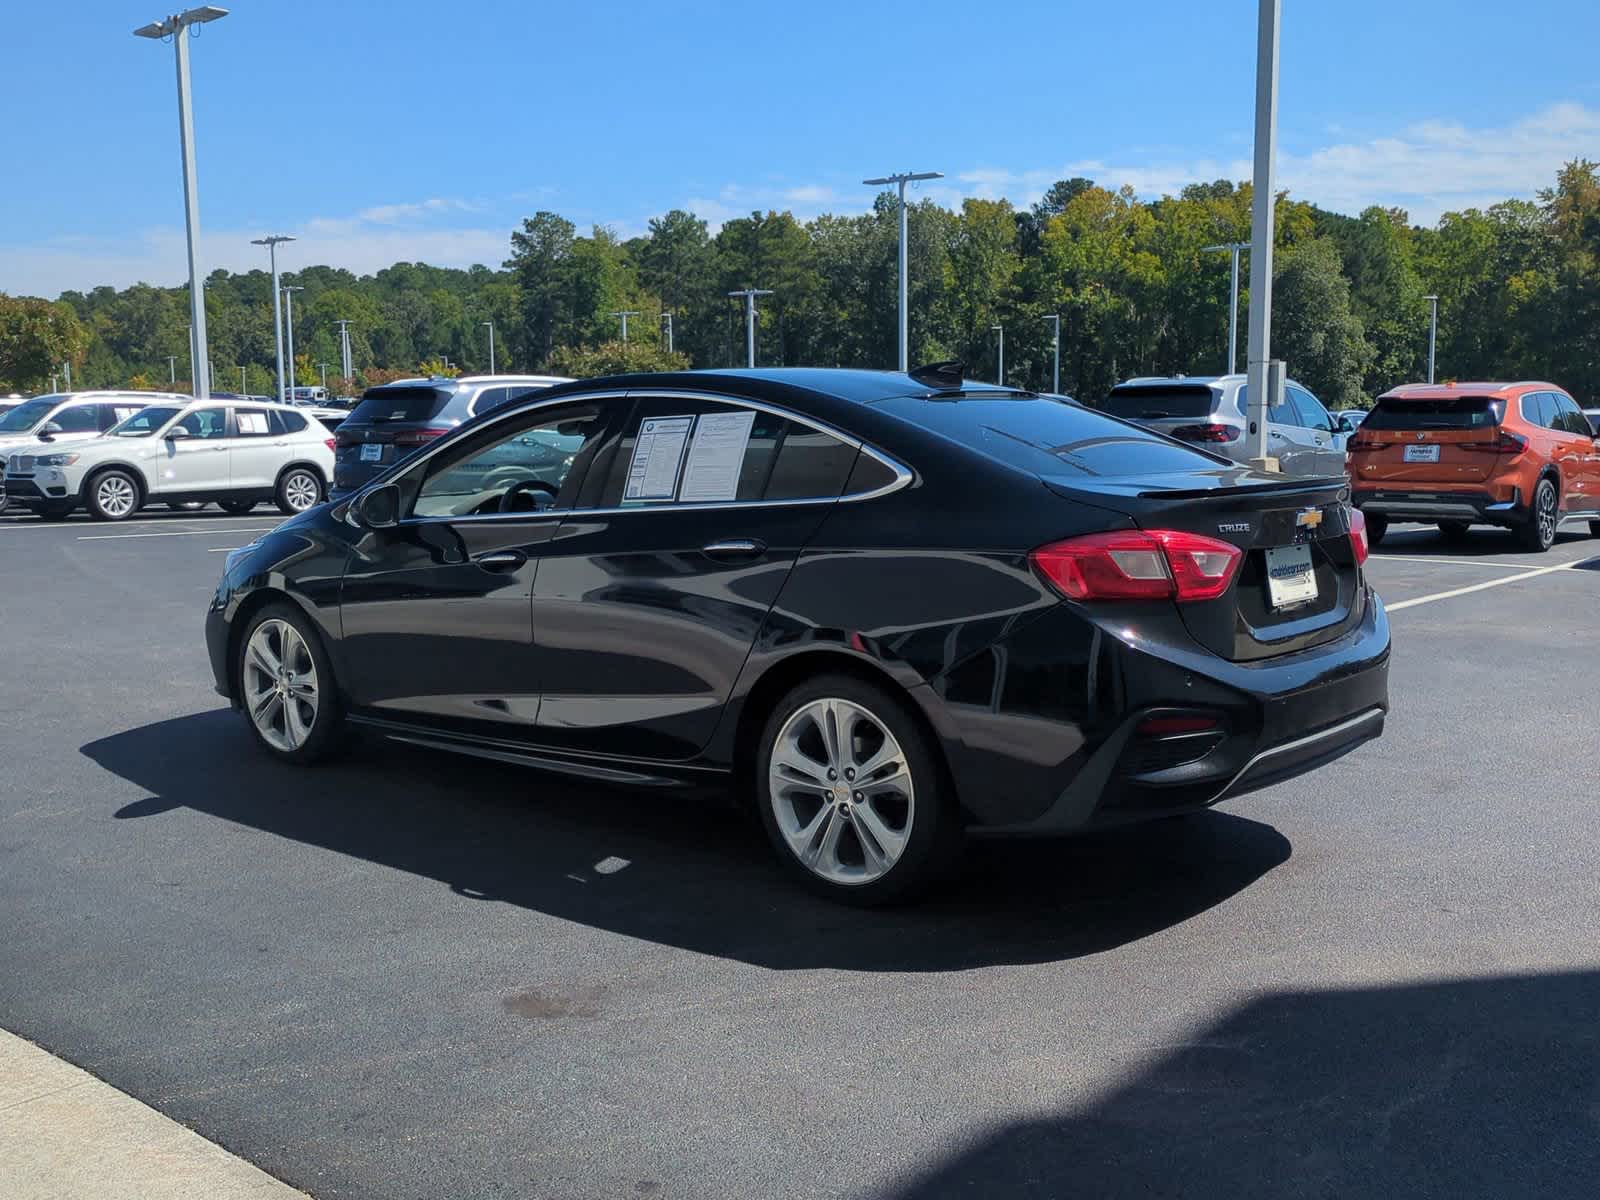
377, 509
48, 430
178, 433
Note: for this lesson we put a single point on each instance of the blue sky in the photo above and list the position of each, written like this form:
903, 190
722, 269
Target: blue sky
379, 130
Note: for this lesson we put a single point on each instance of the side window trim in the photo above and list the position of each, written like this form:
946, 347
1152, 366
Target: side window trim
416, 468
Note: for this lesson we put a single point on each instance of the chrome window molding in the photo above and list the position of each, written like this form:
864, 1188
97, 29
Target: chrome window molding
902, 474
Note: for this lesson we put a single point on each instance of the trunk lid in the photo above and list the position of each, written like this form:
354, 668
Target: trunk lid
1437, 441
1305, 522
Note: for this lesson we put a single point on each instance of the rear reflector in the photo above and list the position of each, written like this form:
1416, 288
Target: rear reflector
1206, 433
1172, 726
418, 437
1506, 443
1137, 564
1358, 535
330, 443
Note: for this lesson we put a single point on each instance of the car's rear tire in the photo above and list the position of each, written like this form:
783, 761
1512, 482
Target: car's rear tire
1455, 531
237, 507
852, 794
286, 688
112, 495
1377, 526
299, 489
1538, 533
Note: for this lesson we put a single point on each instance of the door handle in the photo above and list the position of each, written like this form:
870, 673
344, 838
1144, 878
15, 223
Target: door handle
502, 560
734, 548
1277, 435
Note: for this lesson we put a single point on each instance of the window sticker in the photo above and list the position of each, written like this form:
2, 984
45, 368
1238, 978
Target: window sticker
251, 422
657, 455
716, 457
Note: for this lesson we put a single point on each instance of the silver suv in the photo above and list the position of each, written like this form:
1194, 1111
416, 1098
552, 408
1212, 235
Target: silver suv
1210, 410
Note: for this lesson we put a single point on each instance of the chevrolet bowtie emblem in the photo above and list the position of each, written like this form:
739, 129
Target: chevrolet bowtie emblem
1308, 518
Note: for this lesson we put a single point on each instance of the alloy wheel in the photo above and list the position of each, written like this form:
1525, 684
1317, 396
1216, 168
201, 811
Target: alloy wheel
300, 490
1546, 515
841, 790
280, 685
115, 496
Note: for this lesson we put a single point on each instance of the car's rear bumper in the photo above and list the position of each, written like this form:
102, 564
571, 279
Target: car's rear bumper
1492, 505
1275, 719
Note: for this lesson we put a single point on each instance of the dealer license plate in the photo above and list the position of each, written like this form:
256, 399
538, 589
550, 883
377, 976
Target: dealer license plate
1422, 454
1290, 577
373, 452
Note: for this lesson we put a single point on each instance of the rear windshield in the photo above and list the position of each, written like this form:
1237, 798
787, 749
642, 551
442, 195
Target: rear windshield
1456, 412
1157, 402
1051, 437
400, 404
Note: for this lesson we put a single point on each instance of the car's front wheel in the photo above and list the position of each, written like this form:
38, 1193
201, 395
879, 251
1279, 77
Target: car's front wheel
851, 792
286, 686
113, 496
299, 489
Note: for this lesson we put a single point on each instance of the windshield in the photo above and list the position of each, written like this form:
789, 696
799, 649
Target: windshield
1158, 402
24, 417
143, 423
1456, 412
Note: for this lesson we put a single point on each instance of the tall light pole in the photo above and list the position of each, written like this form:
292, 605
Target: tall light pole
666, 318
632, 312
1233, 249
243, 391
1261, 226
288, 328
324, 367
271, 243
900, 181
490, 326
1000, 368
1055, 340
1433, 331
344, 350
750, 295
177, 28
66, 370
172, 369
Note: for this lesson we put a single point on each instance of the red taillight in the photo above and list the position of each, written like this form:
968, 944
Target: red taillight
1363, 441
330, 443
1206, 433
1506, 443
418, 437
1136, 564
1358, 536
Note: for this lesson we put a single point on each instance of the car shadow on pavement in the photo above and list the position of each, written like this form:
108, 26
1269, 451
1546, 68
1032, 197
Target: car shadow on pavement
1482, 541
683, 871
1471, 1090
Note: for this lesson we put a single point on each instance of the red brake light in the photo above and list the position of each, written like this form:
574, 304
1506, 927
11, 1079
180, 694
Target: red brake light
1135, 564
330, 443
1362, 440
1206, 433
418, 437
1358, 536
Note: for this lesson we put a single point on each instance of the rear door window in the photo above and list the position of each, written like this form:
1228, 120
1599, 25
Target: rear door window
1159, 401
1454, 412
253, 422
411, 405
1538, 408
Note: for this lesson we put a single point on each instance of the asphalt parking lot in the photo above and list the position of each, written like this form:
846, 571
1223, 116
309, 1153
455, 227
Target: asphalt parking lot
417, 976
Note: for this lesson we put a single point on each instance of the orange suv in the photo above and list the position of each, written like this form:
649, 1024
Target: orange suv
1519, 455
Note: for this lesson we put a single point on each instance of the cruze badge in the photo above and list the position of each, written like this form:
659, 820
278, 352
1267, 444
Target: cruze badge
1234, 527
1308, 518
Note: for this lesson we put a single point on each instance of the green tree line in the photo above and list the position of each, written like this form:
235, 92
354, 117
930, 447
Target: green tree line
1137, 294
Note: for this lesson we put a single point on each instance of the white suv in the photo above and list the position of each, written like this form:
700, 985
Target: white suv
67, 417
191, 450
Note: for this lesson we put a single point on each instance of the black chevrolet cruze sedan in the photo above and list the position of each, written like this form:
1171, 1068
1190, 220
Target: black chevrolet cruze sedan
889, 610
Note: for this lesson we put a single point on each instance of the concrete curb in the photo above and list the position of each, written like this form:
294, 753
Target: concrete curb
65, 1135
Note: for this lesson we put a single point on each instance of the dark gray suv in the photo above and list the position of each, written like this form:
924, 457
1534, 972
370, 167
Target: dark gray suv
394, 420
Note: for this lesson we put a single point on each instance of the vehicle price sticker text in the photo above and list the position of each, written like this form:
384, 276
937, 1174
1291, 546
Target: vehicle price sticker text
715, 457
657, 455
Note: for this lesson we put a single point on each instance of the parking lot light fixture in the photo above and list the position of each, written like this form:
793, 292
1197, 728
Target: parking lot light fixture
1262, 220
1433, 331
1000, 367
344, 349
750, 295
490, 326
624, 315
271, 243
1055, 341
1234, 249
288, 328
177, 28
900, 182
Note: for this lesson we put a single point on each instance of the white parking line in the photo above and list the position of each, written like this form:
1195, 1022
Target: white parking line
1454, 562
21, 524
223, 549
112, 537
1493, 583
